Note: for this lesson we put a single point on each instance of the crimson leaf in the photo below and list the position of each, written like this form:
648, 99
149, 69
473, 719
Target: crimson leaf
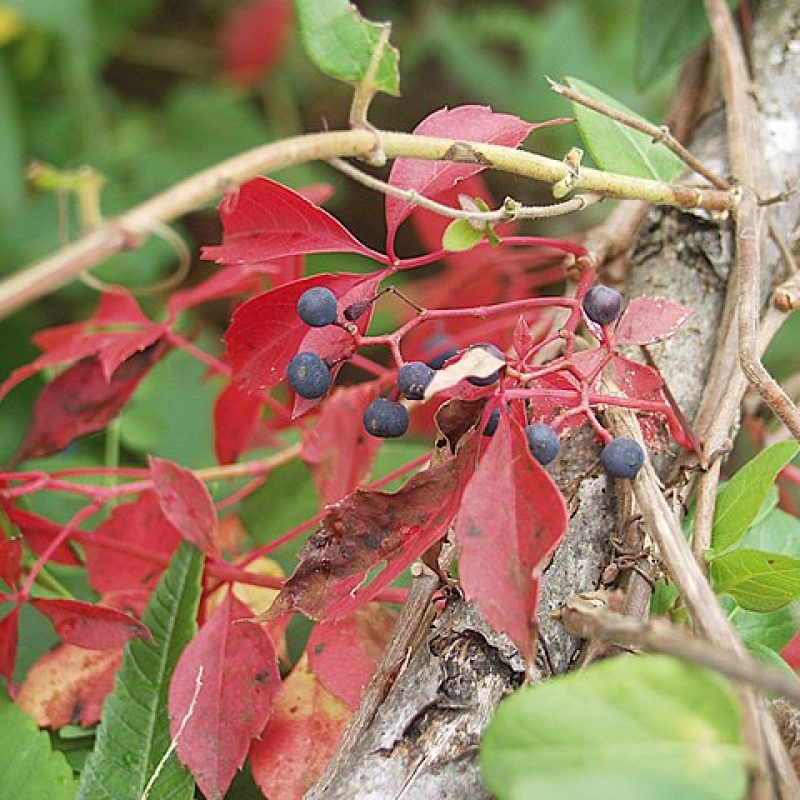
650, 319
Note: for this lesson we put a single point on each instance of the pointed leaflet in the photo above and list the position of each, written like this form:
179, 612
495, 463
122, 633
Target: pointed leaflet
343, 653
187, 504
266, 331
511, 519
29, 769
89, 625
429, 178
227, 282
10, 555
338, 450
263, 220
134, 733
81, 400
236, 415
38, 532
369, 527
306, 725
240, 681
143, 537
650, 319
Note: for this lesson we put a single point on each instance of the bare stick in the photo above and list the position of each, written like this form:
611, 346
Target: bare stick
587, 615
658, 133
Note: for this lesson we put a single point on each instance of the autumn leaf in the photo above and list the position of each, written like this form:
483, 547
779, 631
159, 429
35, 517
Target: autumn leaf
650, 319
10, 557
236, 415
9, 633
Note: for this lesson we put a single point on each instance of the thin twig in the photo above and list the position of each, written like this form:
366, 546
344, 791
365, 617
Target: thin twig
658, 133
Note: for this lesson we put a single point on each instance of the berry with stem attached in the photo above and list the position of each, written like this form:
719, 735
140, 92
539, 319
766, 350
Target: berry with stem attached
356, 310
491, 424
413, 378
386, 419
602, 304
542, 442
309, 375
622, 457
317, 307
495, 376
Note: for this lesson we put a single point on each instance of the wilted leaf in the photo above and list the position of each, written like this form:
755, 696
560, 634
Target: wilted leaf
307, 723
623, 729
650, 319
343, 653
756, 580
477, 362
510, 521
240, 681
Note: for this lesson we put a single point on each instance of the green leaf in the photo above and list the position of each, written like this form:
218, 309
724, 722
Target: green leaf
617, 148
768, 656
739, 502
459, 235
341, 43
774, 629
668, 31
134, 732
756, 580
624, 729
29, 768
12, 157
777, 532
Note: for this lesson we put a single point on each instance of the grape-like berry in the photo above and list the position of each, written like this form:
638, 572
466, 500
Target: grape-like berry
542, 442
602, 304
309, 375
355, 311
413, 378
317, 307
386, 419
495, 376
492, 423
444, 348
622, 457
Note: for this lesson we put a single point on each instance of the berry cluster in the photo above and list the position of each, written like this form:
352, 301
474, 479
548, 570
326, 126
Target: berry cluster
310, 377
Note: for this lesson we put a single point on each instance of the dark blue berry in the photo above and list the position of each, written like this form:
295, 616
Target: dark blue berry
443, 348
317, 307
386, 419
309, 375
542, 442
495, 376
602, 304
413, 378
622, 457
355, 311
439, 361
492, 423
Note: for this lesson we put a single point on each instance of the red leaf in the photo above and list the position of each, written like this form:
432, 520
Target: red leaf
9, 632
240, 681
187, 504
10, 556
510, 521
254, 39
343, 653
227, 282
236, 415
366, 528
138, 529
637, 380
300, 737
337, 448
650, 319
791, 653
68, 685
38, 532
263, 220
266, 331
82, 400
429, 178
89, 625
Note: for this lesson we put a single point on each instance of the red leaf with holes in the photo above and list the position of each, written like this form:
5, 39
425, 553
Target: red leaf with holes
254, 38
266, 331
429, 178
9, 634
187, 504
93, 626
263, 220
338, 450
10, 556
82, 400
38, 532
236, 415
650, 319
343, 653
240, 682
306, 725
117, 331
138, 541
367, 528
511, 519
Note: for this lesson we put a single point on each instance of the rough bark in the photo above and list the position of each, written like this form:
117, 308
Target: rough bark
423, 743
